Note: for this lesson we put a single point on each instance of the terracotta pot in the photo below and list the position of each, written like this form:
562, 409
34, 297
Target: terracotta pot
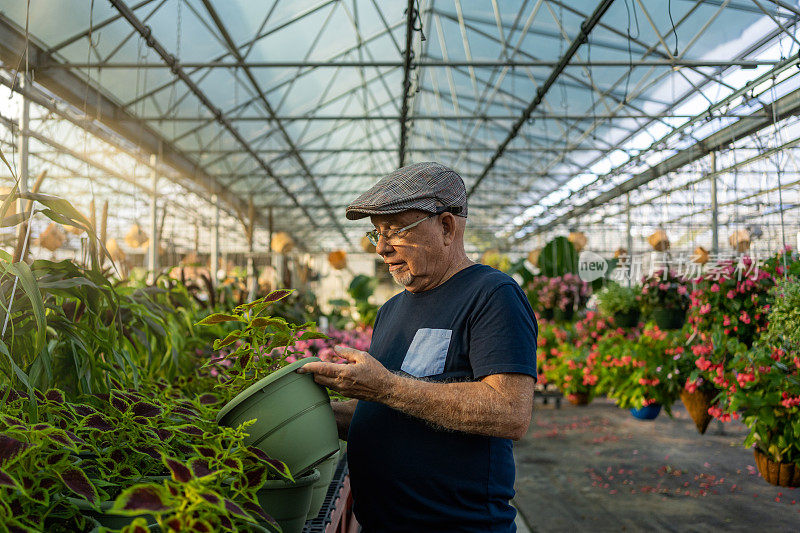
338, 259
580, 398
697, 404
578, 240
777, 473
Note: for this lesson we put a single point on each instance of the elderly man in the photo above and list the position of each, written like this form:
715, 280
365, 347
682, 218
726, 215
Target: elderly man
448, 380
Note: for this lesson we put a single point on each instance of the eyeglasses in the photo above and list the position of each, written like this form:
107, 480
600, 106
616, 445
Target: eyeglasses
393, 236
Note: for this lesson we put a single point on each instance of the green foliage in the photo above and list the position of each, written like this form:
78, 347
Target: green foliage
360, 290
614, 298
558, 257
154, 451
641, 369
260, 345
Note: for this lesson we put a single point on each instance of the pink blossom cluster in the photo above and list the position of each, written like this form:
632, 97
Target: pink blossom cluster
562, 292
358, 338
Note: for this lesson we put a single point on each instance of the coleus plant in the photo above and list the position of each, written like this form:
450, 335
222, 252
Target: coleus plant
259, 347
150, 452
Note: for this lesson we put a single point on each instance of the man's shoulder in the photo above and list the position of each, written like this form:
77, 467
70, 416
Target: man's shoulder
489, 279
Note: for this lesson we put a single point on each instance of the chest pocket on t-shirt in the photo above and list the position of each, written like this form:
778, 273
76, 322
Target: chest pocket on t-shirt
428, 352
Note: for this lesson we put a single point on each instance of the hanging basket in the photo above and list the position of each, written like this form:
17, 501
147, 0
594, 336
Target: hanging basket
367, 246
620, 252
659, 240
136, 238
740, 240
700, 256
578, 240
776, 472
282, 243
52, 237
338, 259
533, 256
116, 253
697, 404
579, 398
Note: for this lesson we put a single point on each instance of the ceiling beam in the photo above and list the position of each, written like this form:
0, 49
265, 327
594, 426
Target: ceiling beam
75, 91
147, 34
784, 107
586, 28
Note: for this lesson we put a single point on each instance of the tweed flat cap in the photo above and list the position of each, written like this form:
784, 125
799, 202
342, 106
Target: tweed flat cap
428, 187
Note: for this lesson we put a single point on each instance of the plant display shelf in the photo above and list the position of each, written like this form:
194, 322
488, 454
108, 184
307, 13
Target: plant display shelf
547, 391
333, 505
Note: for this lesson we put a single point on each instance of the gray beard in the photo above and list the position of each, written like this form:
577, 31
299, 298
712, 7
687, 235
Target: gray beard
404, 279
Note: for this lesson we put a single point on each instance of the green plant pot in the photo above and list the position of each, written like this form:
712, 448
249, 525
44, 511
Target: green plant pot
560, 315
669, 318
627, 319
288, 503
294, 419
111, 520
326, 469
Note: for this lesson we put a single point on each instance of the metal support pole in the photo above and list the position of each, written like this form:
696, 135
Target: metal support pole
628, 235
252, 277
714, 206
152, 258
215, 242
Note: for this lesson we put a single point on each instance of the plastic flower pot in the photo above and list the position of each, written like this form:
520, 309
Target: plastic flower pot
320, 489
288, 503
667, 318
776, 472
648, 412
627, 319
294, 419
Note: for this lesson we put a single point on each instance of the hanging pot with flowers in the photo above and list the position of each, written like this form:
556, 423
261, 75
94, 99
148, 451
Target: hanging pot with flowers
764, 388
639, 371
558, 297
665, 297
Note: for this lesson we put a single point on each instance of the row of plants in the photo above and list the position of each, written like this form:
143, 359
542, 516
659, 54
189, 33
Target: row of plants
115, 410
736, 357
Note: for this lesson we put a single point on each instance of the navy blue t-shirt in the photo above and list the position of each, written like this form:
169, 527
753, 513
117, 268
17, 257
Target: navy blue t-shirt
407, 475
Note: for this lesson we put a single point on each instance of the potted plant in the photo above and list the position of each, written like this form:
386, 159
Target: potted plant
640, 373
574, 371
293, 417
665, 297
732, 297
764, 389
620, 303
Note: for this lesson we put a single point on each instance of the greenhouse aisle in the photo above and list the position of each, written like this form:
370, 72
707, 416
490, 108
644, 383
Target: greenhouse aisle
596, 468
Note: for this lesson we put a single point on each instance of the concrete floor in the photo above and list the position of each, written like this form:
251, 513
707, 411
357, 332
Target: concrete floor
596, 468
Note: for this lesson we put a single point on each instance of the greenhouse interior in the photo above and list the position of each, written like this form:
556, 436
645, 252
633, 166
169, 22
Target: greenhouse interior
410, 266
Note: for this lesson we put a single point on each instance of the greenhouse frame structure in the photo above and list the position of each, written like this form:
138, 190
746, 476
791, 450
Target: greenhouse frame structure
216, 124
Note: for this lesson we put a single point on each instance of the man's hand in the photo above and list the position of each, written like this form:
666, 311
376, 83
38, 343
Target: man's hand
362, 377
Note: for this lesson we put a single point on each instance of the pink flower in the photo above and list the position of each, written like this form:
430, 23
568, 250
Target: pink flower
731, 294
682, 289
715, 288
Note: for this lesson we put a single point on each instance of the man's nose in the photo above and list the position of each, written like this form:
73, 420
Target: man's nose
383, 247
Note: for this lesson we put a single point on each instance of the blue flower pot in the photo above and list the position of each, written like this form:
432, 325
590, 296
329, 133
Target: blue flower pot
648, 412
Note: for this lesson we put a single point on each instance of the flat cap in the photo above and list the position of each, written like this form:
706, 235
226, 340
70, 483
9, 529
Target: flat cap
429, 187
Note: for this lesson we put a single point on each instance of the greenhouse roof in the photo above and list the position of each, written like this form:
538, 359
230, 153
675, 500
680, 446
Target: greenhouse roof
299, 106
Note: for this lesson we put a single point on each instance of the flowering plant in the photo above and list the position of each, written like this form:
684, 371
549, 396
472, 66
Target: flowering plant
641, 370
614, 298
764, 383
664, 289
567, 292
550, 337
573, 370
734, 297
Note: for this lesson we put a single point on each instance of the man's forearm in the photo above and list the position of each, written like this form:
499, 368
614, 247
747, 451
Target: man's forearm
343, 413
500, 405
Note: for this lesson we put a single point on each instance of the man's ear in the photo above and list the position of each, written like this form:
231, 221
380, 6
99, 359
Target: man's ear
448, 228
